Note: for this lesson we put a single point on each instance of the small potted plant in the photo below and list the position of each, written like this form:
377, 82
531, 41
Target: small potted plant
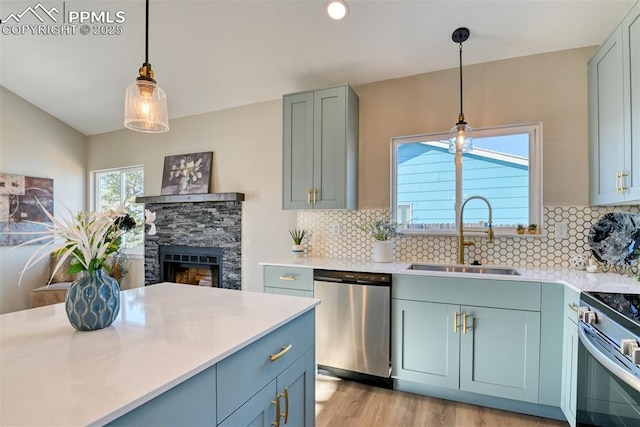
297, 236
382, 230
520, 229
533, 228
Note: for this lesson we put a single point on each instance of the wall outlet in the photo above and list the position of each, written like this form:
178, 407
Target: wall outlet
562, 230
336, 228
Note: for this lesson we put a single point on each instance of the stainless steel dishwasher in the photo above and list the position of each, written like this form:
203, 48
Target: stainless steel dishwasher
353, 325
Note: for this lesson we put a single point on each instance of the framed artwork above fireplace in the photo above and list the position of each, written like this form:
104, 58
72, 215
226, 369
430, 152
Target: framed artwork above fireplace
187, 173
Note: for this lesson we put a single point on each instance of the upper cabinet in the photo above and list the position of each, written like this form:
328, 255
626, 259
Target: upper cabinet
614, 116
320, 159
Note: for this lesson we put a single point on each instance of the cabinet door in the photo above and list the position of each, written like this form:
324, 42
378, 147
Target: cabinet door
499, 353
259, 411
296, 388
425, 346
298, 150
570, 371
606, 121
631, 44
329, 150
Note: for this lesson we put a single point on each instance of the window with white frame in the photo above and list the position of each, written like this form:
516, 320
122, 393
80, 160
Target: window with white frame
121, 186
505, 166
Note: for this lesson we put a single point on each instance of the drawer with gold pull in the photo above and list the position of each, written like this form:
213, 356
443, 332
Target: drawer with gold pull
288, 277
253, 367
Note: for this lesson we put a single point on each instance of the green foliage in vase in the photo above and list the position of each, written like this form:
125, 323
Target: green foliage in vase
297, 235
381, 229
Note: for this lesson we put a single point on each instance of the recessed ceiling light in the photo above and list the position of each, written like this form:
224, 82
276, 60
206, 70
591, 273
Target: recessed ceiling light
337, 9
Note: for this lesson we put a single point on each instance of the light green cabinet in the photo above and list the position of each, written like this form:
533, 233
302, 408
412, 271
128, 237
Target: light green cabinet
570, 356
289, 399
614, 122
320, 149
425, 346
187, 404
500, 352
293, 281
246, 388
442, 338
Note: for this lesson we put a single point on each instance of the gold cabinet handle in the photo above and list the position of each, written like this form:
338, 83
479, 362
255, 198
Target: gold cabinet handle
464, 323
623, 174
620, 175
276, 402
573, 307
288, 277
274, 357
285, 393
315, 196
309, 196
455, 322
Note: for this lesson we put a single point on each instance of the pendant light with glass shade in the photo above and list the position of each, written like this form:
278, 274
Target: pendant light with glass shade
145, 104
461, 140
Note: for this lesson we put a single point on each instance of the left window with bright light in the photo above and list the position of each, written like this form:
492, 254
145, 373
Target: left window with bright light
121, 186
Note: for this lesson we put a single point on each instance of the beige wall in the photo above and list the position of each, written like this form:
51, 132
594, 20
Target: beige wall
247, 158
247, 142
551, 88
33, 143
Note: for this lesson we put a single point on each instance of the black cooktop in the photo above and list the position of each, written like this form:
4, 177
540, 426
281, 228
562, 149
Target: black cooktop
626, 305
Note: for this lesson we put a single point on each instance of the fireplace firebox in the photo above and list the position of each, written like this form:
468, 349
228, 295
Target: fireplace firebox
191, 265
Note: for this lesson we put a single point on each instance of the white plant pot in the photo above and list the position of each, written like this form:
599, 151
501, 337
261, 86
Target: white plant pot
297, 250
382, 251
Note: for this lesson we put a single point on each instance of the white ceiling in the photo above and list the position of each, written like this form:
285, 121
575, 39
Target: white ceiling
210, 55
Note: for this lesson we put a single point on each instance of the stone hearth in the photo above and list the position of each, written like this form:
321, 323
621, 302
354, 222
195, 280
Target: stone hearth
197, 223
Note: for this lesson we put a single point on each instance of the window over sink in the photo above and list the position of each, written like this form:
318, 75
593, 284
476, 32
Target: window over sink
505, 166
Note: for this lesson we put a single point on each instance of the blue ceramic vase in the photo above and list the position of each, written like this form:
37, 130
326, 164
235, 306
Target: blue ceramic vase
93, 301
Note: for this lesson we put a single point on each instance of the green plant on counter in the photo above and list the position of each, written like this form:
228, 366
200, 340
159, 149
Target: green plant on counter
297, 235
381, 229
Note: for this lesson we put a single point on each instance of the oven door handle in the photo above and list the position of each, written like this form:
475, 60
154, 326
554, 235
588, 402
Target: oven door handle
605, 361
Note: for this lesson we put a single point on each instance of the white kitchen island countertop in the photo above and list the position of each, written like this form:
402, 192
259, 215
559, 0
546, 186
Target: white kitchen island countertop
51, 374
580, 280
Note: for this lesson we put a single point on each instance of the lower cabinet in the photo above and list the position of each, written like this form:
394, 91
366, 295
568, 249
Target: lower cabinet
570, 356
287, 400
293, 281
271, 382
483, 350
471, 335
187, 404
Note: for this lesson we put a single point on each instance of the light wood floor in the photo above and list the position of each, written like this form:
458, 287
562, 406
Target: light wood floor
346, 403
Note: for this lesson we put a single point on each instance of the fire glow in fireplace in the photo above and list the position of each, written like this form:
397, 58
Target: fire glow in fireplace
191, 265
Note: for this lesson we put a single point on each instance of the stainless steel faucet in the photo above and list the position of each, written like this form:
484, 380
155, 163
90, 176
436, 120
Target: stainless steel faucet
461, 242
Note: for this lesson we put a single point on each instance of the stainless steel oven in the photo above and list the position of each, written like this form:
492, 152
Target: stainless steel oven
609, 360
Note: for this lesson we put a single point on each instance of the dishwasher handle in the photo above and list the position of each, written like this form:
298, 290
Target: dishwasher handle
327, 279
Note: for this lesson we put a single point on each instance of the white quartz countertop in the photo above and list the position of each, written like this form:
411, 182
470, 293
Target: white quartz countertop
51, 374
578, 279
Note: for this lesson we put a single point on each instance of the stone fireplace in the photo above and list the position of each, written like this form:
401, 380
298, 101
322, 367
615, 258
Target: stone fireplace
191, 265
198, 239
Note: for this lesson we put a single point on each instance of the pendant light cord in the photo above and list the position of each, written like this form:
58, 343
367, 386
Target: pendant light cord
146, 38
461, 113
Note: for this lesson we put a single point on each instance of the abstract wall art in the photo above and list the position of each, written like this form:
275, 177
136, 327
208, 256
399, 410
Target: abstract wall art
20, 211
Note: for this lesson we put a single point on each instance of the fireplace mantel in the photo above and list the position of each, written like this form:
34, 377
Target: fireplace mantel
194, 198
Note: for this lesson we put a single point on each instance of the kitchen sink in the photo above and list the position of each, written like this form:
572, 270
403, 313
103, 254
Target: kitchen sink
476, 269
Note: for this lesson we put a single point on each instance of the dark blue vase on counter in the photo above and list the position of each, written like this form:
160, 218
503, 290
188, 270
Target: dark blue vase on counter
93, 301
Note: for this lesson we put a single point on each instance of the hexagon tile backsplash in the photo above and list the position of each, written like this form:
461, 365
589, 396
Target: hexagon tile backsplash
349, 242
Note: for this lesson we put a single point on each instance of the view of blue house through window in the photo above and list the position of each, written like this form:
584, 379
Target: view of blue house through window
499, 168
